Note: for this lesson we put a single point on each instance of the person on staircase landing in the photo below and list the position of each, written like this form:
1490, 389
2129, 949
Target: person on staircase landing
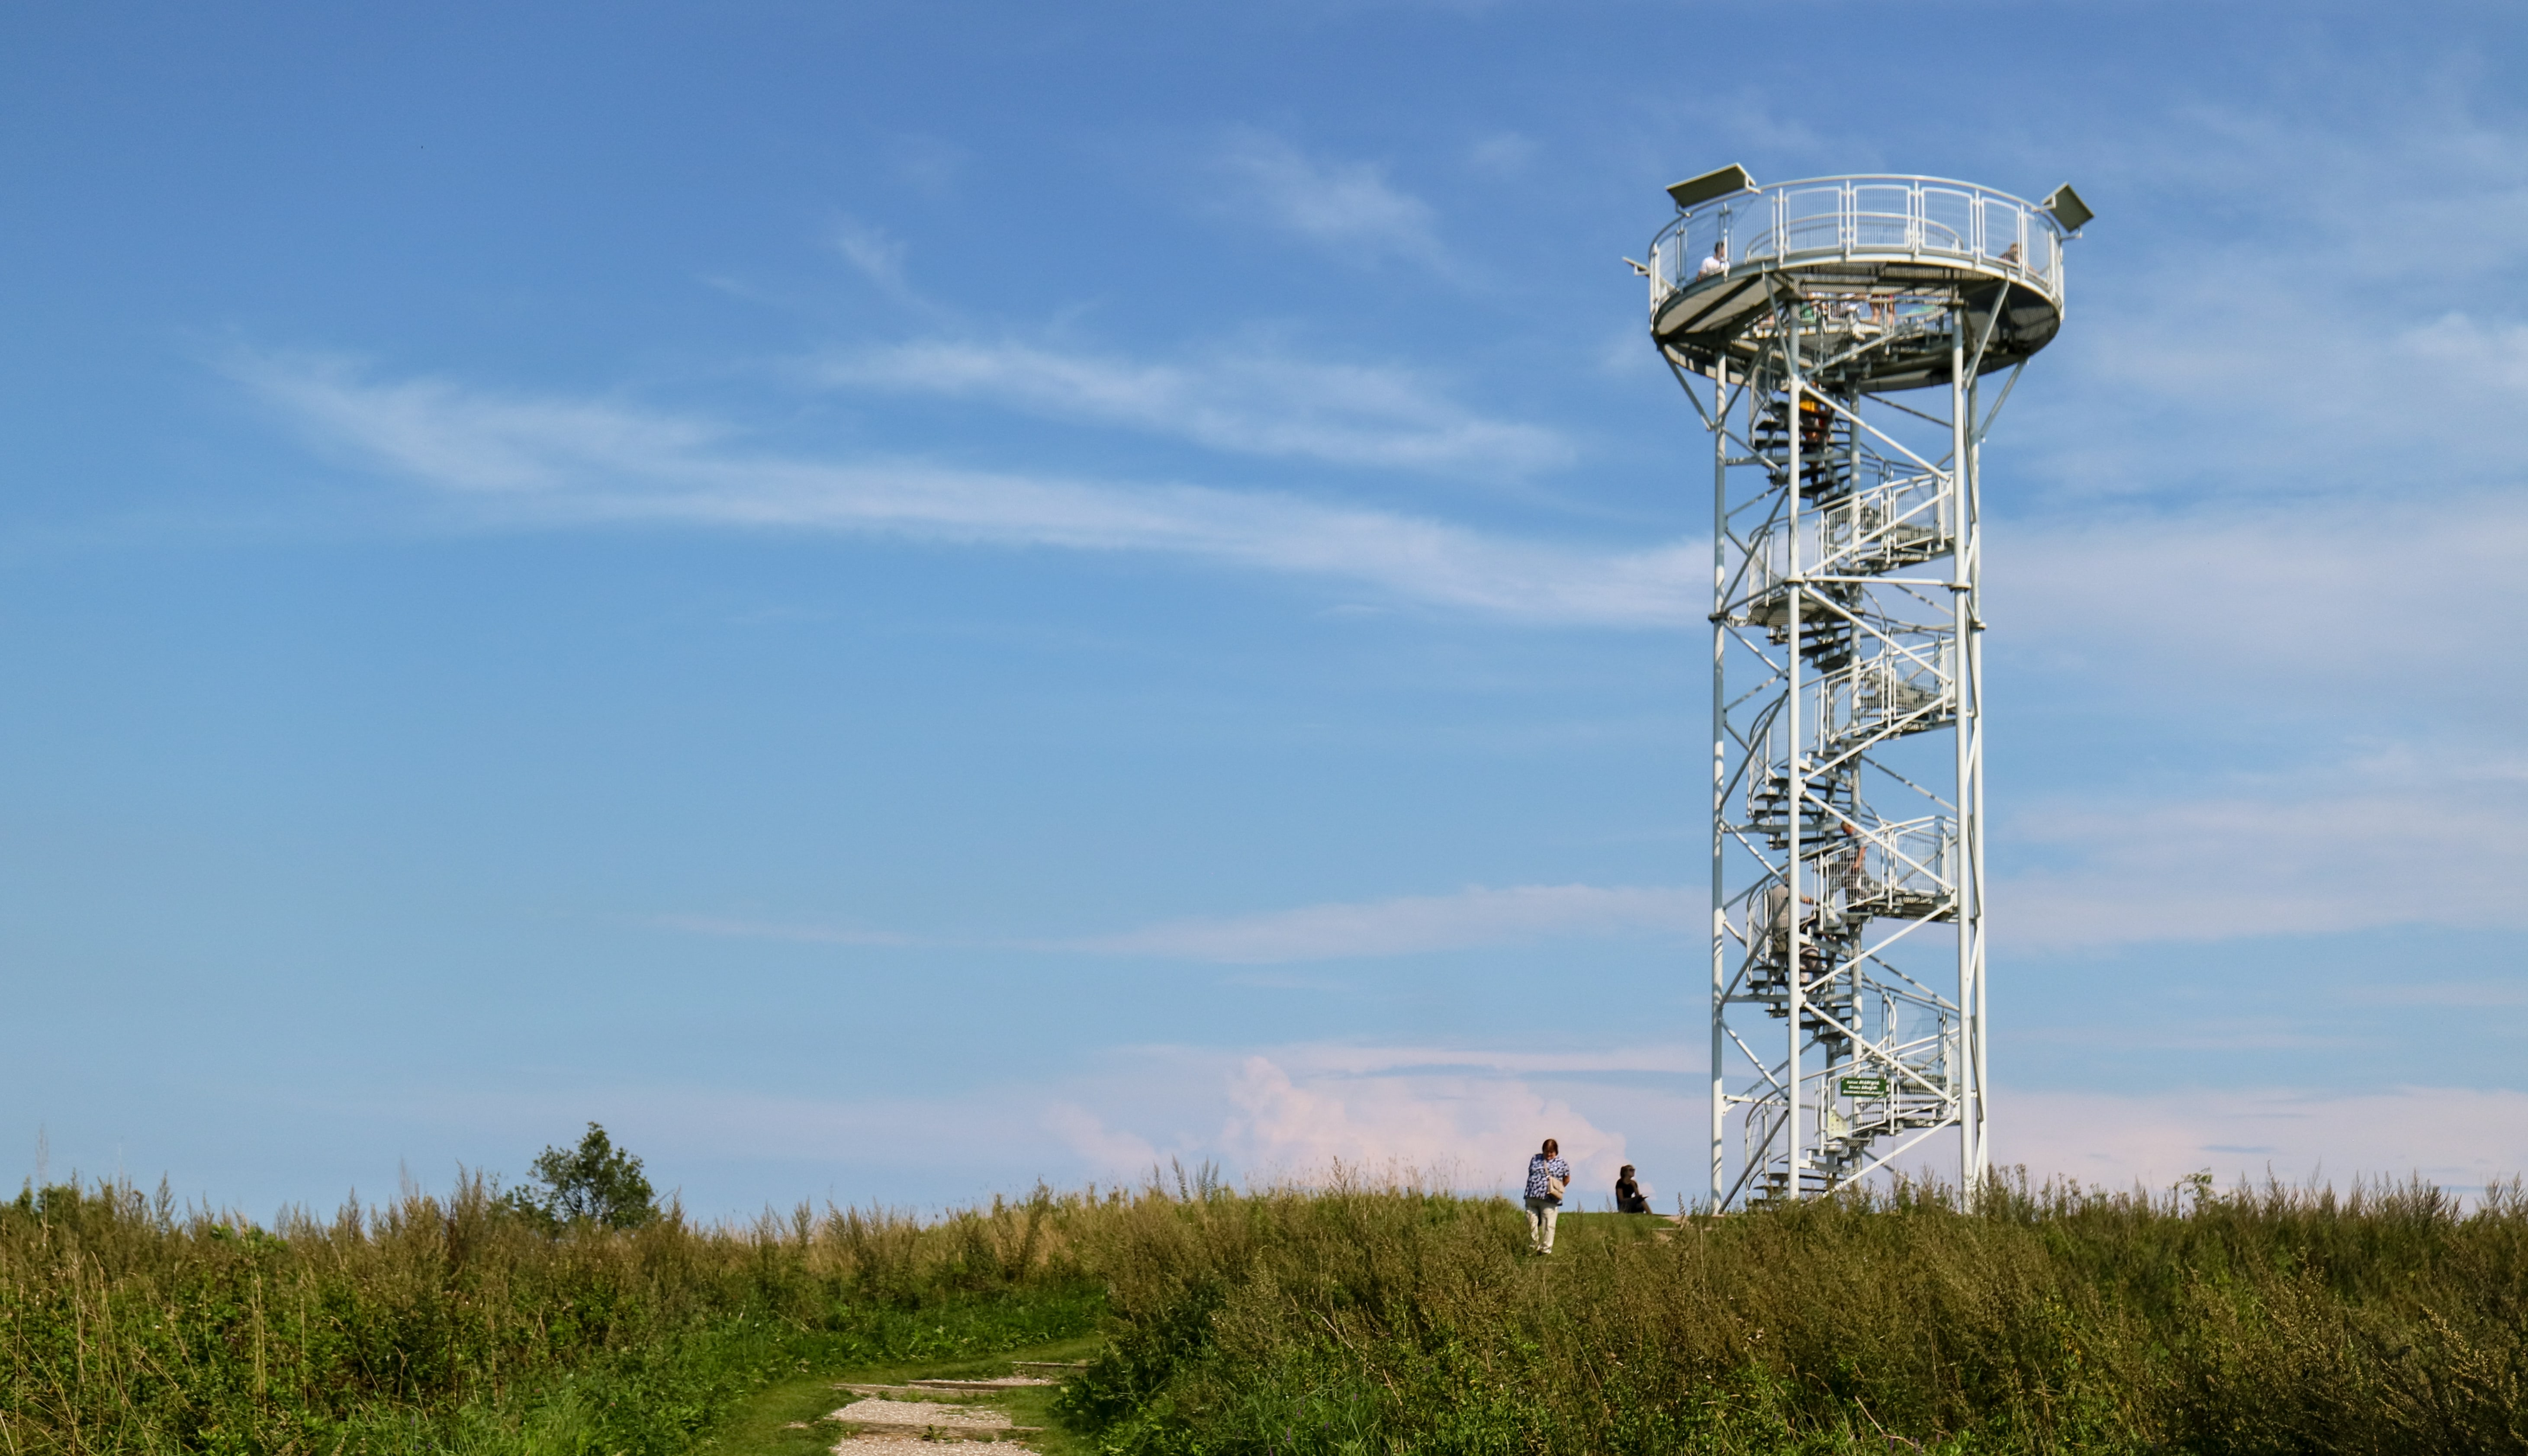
1629, 1197
1546, 1176
1718, 262
1776, 934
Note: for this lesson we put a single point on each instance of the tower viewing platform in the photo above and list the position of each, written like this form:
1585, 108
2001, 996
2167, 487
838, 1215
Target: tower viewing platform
1878, 261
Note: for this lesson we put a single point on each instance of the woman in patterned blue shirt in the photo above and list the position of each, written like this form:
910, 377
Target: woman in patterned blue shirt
1546, 1176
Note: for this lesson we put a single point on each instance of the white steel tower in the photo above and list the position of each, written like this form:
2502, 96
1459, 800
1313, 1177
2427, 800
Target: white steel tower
1809, 322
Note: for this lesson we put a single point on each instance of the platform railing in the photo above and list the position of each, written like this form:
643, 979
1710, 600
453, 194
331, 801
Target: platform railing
1906, 871
1890, 693
1862, 219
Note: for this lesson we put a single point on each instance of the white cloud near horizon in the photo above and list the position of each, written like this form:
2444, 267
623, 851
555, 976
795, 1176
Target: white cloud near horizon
1459, 1131
1243, 400
1295, 1109
2458, 1137
1466, 1119
531, 461
1443, 1117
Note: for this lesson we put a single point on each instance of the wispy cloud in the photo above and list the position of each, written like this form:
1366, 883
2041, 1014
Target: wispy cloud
2335, 845
2214, 350
877, 254
1347, 206
2300, 860
2490, 355
483, 445
2475, 996
931, 164
2213, 384
1417, 925
2306, 855
543, 462
1365, 930
2317, 677
2344, 848
2281, 601
2461, 1137
1503, 153
1244, 401
2328, 845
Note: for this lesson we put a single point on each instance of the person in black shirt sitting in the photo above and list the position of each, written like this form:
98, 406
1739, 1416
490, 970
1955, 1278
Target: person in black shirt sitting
1629, 1197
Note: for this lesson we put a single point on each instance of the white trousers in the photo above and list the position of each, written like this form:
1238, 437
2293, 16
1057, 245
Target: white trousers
1541, 1214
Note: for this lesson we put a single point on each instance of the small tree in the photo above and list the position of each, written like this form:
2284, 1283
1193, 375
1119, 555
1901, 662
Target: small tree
596, 1182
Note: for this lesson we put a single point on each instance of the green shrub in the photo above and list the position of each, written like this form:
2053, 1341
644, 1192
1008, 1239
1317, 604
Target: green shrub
596, 1182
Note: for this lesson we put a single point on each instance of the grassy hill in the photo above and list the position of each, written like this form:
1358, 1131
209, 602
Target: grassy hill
1367, 1318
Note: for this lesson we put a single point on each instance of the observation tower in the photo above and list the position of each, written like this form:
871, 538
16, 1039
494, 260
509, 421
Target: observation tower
1836, 336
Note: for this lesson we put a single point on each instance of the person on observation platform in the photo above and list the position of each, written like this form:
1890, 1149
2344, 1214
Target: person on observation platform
1629, 1197
1546, 1176
1718, 262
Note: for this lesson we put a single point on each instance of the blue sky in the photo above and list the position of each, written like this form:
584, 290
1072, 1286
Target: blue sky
895, 599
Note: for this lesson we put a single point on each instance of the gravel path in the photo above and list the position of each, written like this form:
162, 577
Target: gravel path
916, 1415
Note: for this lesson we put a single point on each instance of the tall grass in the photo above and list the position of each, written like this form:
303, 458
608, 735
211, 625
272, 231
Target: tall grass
1356, 1318
1395, 1320
454, 1323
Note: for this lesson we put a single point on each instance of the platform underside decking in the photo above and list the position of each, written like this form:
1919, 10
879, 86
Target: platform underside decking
1883, 322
